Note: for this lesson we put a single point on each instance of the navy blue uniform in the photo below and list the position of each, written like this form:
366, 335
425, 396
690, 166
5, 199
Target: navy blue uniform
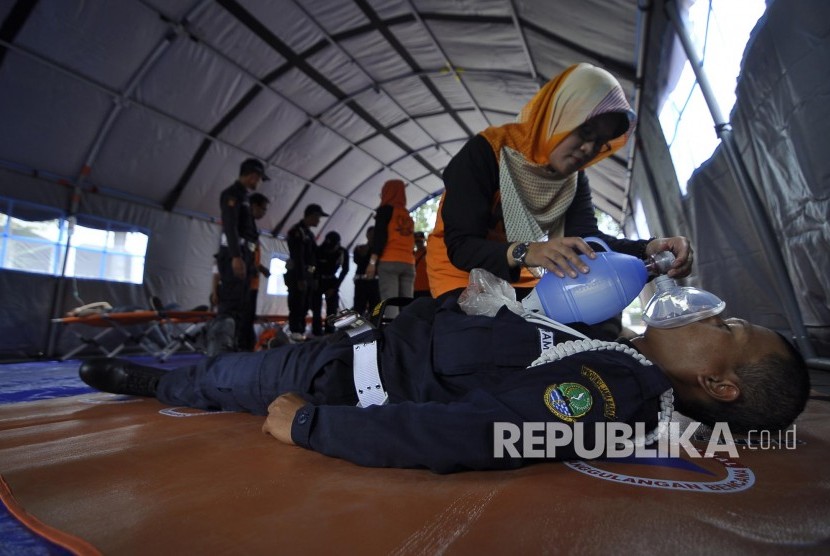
239, 238
449, 377
332, 268
299, 274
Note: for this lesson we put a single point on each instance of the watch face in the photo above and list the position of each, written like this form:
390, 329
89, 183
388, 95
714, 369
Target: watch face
519, 252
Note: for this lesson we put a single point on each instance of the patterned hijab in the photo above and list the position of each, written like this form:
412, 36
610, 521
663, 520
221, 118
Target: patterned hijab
534, 202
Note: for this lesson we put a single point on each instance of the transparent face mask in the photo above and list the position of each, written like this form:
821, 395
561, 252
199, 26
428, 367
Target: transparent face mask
674, 305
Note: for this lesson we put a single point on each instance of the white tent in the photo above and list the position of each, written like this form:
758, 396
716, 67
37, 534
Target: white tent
137, 113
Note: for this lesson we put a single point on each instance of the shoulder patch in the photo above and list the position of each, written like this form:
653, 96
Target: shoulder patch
546, 338
569, 400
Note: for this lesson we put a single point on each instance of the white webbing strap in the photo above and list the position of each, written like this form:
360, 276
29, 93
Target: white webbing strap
367, 382
366, 372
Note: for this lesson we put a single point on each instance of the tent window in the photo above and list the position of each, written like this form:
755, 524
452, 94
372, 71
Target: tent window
720, 29
276, 282
34, 239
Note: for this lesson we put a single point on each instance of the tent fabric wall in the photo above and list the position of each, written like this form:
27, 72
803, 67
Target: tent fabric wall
148, 107
781, 120
178, 268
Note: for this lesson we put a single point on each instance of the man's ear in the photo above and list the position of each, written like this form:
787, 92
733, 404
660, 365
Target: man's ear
721, 388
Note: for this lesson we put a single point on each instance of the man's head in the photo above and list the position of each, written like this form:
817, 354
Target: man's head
312, 215
370, 233
732, 371
251, 172
259, 205
332, 239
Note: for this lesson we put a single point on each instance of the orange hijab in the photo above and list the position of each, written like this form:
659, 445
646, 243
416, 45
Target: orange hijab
393, 193
564, 103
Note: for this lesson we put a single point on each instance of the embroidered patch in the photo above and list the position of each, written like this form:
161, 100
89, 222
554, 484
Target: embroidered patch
610, 410
569, 401
545, 339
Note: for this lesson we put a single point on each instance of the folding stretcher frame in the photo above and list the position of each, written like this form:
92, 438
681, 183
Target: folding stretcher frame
173, 329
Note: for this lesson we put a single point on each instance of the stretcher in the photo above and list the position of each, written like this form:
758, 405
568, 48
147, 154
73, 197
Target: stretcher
157, 333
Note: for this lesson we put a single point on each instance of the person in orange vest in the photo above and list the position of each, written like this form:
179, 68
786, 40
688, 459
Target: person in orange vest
393, 247
421, 278
516, 198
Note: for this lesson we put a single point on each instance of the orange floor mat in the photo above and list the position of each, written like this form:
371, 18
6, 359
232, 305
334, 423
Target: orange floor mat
131, 476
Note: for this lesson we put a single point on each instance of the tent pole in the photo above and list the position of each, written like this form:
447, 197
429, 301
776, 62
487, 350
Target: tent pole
758, 214
60, 286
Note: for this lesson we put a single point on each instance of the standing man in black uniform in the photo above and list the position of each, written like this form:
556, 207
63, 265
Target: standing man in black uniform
235, 259
299, 270
331, 258
449, 378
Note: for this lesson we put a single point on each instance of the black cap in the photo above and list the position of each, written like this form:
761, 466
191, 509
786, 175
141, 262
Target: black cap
253, 165
314, 209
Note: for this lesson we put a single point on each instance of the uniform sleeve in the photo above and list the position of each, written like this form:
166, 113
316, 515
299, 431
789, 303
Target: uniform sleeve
442, 437
382, 219
581, 221
230, 206
295, 249
462, 435
344, 266
471, 181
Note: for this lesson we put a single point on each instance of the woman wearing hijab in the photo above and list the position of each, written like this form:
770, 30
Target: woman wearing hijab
516, 197
393, 244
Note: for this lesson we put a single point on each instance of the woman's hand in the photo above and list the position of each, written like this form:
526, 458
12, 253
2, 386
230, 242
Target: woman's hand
560, 255
281, 414
682, 250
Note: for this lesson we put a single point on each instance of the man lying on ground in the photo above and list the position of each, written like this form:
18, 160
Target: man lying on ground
446, 380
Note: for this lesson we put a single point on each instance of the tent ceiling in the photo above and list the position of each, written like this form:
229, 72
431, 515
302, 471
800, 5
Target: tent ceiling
158, 101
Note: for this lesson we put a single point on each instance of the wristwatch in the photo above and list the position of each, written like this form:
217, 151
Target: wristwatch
520, 252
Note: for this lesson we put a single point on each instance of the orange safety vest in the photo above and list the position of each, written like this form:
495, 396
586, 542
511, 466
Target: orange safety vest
400, 241
444, 276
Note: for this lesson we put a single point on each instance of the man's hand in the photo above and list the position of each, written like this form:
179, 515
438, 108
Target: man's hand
281, 414
238, 266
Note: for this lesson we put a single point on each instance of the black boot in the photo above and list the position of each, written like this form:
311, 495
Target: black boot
121, 377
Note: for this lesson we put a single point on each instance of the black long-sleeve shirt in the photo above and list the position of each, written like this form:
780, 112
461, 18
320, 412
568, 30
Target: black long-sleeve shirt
473, 221
302, 250
237, 221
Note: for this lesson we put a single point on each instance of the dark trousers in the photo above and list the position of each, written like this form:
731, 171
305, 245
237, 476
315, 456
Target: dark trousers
320, 371
234, 294
366, 295
328, 288
299, 300
245, 335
